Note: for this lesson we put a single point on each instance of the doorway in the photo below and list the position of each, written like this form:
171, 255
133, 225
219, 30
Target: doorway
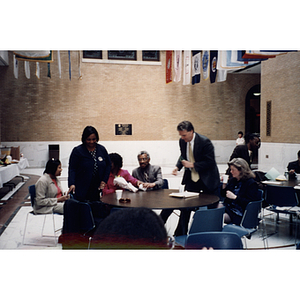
252, 114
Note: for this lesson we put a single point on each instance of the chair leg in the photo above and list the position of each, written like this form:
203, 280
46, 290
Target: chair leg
25, 229
264, 235
54, 231
42, 233
43, 225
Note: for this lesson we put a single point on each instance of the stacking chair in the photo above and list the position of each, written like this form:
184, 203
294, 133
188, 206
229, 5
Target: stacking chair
78, 225
32, 199
166, 184
204, 221
249, 223
284, 197
215, 240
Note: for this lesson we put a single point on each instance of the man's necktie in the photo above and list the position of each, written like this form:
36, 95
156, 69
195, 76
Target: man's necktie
146, 177
195, 174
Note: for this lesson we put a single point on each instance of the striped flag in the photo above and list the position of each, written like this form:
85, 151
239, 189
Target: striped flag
168, 66
196, 66
187, 67
177, 65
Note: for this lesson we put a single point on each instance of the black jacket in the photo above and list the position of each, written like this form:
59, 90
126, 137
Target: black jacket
81, 166
205, 163
248, 193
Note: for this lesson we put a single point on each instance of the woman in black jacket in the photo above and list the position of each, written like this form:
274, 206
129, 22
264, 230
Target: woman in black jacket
89, 167
240, 190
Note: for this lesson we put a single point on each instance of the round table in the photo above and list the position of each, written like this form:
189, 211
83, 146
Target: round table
159, 199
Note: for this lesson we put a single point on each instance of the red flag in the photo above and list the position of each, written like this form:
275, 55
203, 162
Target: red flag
169, 66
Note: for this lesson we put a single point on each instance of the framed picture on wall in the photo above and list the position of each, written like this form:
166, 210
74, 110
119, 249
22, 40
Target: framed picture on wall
123, 129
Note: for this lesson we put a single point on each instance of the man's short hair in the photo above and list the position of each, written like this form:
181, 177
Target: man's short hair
143, 152
250, 137
185, 125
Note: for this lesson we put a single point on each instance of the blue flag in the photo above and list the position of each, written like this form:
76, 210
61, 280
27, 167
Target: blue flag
213, 58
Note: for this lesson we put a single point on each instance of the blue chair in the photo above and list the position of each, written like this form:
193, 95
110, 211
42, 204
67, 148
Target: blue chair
249, 223
215, 240
282, 196
78, 225
166, 184
203, 221
32, 199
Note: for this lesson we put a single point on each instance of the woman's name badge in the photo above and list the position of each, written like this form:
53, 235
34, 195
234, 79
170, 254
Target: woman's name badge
100, 158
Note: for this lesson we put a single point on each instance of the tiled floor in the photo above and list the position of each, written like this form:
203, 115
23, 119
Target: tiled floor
12, 236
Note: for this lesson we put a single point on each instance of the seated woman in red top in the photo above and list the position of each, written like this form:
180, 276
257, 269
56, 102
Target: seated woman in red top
116, 170
49, 194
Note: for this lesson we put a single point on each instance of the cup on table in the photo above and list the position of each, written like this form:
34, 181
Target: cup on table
119, 194
225, 178
181, 188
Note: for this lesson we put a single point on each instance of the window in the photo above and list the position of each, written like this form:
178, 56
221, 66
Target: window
150, 55
123, 55
92, 54
134, 57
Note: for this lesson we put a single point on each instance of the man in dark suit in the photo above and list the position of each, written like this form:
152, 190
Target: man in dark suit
294, 167
252, 144
201, 172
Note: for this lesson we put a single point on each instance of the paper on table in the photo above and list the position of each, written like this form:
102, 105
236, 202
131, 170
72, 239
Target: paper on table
184, 194
288, 208
272, 182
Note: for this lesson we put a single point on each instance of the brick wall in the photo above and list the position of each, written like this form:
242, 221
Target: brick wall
58, 109
280, 84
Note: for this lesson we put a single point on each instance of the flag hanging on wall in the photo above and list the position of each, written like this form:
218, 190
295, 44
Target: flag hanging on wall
49, 71
177, 65
37, 70
16, 67
79, 66
196, 66
227, 60
37, 56
221, 75
69, 53
59, 63
168, 66
27, 69
213, 57
186, 67
205, 64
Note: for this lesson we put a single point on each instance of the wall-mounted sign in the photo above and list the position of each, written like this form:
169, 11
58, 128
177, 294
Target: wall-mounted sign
123, 129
